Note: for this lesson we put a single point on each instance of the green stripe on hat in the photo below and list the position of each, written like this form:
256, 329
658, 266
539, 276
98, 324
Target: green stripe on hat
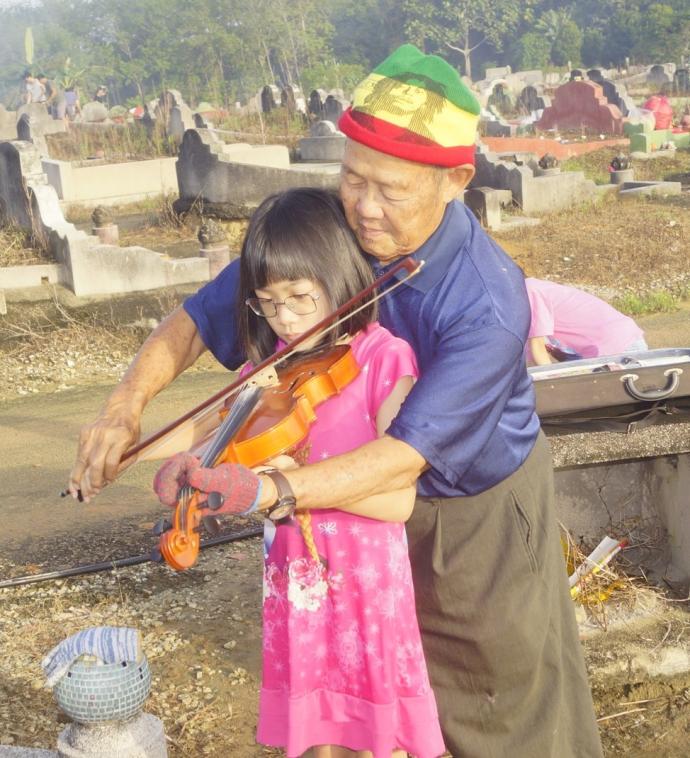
408, 64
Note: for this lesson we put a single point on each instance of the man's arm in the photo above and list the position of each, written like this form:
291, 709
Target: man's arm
375, 468
171, 348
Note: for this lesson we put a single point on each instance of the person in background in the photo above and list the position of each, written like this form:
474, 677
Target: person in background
567, 323
33, 89
72, 105
49, 92
343, 666
101, 95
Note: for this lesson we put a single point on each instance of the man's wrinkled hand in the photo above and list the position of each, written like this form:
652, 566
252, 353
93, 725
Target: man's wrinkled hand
101, 447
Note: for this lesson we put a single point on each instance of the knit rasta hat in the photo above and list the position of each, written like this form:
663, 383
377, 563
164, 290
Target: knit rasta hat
416, 107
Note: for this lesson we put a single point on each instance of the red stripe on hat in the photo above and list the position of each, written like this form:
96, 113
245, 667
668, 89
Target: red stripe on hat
393, 140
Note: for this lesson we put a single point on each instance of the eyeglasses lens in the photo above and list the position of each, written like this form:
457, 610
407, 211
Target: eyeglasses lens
301, 305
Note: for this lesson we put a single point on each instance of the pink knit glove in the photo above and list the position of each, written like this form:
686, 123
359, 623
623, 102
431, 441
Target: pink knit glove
238, 487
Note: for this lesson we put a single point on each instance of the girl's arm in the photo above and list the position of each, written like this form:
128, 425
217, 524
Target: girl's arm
540, 354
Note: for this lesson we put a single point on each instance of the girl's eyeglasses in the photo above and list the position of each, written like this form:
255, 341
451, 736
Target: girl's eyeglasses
301, 305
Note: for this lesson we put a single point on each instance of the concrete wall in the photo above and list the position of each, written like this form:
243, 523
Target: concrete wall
644, 500
111, 183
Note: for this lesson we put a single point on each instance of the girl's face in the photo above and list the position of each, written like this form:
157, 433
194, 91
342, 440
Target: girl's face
292, 307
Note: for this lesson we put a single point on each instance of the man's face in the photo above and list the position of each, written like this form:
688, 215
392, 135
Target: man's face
393, 205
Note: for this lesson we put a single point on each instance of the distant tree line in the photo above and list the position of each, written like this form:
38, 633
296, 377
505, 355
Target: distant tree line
225, 50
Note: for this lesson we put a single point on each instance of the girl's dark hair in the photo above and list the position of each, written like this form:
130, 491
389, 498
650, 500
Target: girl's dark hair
300, 234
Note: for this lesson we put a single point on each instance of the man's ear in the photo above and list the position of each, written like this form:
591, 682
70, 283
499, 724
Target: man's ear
458, 178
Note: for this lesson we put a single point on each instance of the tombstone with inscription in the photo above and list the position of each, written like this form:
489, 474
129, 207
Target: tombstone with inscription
315, 104
660, 74
681, 81
270, 97
500, 102
529, 100
333, 108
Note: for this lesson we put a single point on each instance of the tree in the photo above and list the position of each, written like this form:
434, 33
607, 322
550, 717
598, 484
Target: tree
461, 25
533, 51
564, 35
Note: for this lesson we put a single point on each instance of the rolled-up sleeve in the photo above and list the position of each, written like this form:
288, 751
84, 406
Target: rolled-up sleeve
456, 406
212, 309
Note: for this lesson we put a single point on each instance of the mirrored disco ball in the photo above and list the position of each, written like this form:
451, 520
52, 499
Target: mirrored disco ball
92, 692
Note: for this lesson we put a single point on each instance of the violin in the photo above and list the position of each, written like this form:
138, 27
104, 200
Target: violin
261, 423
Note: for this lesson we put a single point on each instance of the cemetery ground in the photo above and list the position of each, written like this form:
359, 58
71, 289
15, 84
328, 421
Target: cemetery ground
202, 628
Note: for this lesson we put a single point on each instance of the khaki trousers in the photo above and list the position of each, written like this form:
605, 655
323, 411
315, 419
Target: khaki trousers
497, 621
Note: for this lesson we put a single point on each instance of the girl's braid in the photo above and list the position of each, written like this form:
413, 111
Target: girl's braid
304, 518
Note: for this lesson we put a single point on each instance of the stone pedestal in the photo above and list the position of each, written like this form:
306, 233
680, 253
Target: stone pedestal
218, 258
140, 737
622, 176
108, 234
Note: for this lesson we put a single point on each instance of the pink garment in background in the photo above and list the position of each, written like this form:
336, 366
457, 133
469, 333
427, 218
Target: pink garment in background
342, 655
579, 320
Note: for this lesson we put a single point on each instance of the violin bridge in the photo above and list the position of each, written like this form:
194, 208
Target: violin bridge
266, 378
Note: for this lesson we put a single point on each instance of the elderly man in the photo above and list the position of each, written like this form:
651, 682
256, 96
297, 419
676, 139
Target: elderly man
496, 617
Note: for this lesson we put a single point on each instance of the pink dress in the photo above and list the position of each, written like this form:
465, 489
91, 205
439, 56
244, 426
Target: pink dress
342, 656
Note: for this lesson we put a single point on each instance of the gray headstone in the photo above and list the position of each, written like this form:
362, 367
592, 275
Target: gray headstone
323, 129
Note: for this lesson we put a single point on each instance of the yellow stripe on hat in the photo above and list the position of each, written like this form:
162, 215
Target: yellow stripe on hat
421, 111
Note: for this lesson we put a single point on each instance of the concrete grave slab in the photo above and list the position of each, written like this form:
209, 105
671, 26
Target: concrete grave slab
233, 180
83, 264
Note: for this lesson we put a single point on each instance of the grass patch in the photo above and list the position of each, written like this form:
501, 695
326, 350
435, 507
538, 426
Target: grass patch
20, 248
644, 305
114, 143
675, 168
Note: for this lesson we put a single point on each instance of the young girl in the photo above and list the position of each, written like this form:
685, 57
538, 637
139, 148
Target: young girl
343, 668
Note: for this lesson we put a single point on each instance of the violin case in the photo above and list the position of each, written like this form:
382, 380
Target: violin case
626, 387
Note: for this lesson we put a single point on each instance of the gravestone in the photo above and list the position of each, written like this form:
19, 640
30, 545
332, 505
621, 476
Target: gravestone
315, 105
500, 101
270, 97
497, 73
681, 81
174, 114
324, 143
333, 108
27, 132
660, 74
42, 122
581, 105
529, 100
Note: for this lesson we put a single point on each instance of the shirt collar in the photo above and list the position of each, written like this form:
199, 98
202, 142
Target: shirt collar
437, 252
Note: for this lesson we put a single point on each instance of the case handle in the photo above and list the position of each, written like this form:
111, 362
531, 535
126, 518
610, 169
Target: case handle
661, 393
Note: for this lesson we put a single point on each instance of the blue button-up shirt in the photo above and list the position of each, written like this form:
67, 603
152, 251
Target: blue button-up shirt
466, 315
